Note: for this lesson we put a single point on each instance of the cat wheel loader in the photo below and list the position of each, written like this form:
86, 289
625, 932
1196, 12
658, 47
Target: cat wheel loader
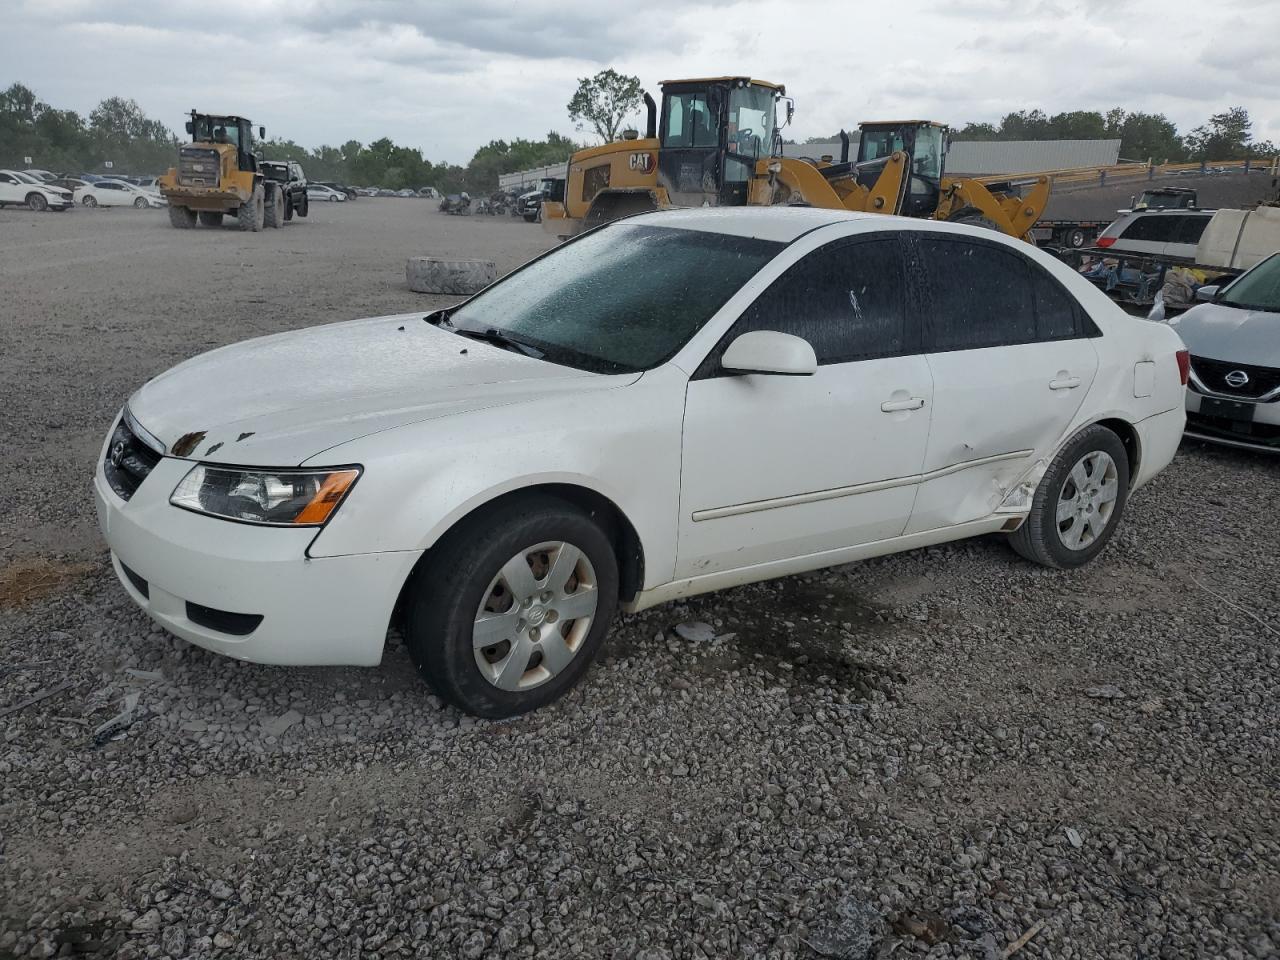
717, 143
219, 174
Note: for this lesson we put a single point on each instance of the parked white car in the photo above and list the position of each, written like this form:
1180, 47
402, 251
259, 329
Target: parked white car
1234, 339
22, 189
117, 193
44, 176
675, 403
318, 191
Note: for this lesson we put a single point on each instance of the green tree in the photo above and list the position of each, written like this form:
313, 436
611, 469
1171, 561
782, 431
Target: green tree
1226, 136
604, 101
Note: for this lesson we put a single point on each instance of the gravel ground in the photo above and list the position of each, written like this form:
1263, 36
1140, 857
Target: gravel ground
929, 754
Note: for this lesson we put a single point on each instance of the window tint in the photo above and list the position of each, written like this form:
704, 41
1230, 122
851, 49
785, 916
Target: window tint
981, 295
845, 299
1055, 309
689, 121
1154, 229
1190, 229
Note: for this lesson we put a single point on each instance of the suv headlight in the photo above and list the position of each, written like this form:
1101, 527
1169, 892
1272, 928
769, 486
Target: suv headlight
285, 498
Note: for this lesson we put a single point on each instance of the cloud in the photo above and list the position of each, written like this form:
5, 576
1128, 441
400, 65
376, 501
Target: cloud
450, 77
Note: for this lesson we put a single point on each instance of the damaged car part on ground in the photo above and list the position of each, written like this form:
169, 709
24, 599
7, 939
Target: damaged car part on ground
669, 405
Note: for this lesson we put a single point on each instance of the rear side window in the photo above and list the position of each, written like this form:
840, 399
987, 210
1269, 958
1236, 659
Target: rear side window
1153, 229
1056, 316
981, 296
846, 299
1190, 229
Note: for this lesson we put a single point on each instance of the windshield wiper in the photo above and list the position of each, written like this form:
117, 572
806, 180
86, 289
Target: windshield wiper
500, 339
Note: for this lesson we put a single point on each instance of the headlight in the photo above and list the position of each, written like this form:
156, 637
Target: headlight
292, 498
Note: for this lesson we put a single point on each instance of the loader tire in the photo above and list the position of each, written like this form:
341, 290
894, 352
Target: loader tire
288, 209
305, 206
210, 218
184, 218
974, 217
252, 214
273, 215
436, 275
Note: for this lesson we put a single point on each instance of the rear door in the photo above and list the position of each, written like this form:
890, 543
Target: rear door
1012, 358
776, 467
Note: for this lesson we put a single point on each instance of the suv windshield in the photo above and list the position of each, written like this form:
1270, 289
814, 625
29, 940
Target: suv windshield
276, 171
620, 299
1259, 289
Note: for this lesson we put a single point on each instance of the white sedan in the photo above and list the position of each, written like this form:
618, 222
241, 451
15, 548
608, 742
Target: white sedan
676, 403
22, 189
318, 191
117, 193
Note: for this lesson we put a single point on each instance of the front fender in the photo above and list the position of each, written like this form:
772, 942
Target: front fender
421, 479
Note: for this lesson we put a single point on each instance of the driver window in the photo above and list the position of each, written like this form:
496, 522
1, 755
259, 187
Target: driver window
689, 122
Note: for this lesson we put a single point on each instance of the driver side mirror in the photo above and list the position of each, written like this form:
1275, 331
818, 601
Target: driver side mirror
1208, 293
262, 133
190, 127
770, 352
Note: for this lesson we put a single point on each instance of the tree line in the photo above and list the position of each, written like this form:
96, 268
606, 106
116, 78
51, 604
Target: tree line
117, 130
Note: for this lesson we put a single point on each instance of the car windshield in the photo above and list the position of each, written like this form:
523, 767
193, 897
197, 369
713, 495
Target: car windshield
25, 177
620, 299
1259, 289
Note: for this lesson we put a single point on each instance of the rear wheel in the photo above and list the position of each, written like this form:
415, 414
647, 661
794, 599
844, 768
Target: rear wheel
305, 206
184, 218
1076, 238
1078, 503
251, 214
89, 201
508, 614
211, 218
288, 208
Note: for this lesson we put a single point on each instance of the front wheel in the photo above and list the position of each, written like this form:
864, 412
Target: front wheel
252, 214
140, 203
305, 206
509, 613
183, 218
37, 202
1078, 503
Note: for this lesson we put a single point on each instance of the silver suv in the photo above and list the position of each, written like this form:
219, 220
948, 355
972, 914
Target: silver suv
1165, 233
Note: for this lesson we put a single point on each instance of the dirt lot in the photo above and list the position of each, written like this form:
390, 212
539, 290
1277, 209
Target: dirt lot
931, 754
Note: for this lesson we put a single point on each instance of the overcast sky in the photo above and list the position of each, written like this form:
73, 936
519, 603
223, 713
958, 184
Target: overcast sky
449, 77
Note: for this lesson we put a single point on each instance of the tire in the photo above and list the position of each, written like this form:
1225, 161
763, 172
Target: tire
333, 198
140, 203
251, 214
210, 218
273, 211
531, 217
1076, 238
288, 209
466, 580
37, 202
305, 207
89, 202
1058, 532
974, 217
184, 218
438, 275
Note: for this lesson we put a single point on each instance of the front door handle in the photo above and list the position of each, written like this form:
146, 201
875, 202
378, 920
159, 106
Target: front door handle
1063, 382
911, 403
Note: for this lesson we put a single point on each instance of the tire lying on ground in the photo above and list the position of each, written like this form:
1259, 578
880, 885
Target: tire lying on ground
438, 275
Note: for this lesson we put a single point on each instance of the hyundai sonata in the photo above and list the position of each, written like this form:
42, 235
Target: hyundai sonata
674, 403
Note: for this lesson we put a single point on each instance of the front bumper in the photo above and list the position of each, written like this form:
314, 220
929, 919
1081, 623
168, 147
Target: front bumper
1261, 432
178, 566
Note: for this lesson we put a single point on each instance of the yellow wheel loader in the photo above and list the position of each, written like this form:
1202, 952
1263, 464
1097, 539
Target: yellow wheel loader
219, 174
716, 142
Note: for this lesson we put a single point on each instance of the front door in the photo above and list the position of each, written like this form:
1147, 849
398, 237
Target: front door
1012, 360
689, 153
777, 467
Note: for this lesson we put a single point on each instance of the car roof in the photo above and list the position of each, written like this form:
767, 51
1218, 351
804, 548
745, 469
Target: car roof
779, 223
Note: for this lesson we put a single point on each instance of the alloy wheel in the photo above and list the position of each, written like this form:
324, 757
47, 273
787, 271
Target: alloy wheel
1087, 500
535, 616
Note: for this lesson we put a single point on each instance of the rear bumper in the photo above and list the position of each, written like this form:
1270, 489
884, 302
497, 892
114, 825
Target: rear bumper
1158, 439
193, 575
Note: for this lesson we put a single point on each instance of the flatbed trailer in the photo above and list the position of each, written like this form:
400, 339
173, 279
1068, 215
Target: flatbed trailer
1071, 234
1132, 279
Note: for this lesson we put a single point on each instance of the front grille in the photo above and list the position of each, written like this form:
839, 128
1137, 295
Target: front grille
1213, 374
1263, 434
235, 624
128, 461
198, 167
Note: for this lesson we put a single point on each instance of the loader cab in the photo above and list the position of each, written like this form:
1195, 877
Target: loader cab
235, 131
711, 135
924, 142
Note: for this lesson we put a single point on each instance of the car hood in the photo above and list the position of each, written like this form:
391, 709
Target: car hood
283, 399
1220, 332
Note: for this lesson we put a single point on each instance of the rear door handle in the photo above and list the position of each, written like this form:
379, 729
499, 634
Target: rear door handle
911, 403
1064, 383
